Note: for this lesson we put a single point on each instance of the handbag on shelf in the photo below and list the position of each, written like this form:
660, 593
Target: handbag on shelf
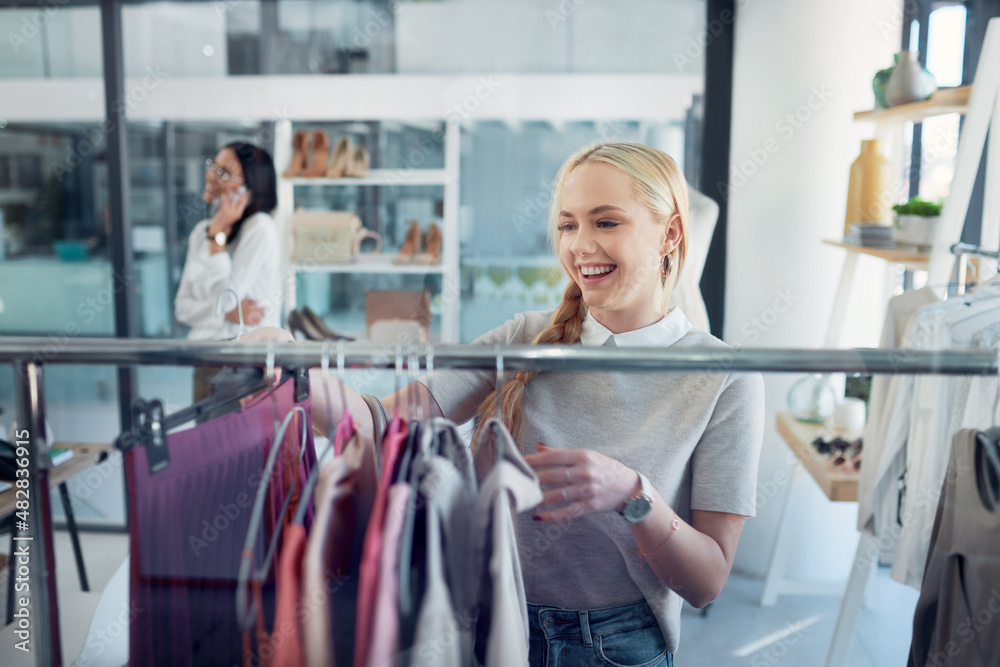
328, 237
397, 315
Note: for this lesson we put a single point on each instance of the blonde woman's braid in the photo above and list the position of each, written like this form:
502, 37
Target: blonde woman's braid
566, 327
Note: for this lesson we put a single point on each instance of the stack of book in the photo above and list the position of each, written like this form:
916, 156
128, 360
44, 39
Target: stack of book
872, 236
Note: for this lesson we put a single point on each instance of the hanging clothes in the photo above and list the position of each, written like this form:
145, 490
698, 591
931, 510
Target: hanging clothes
929, 440
446, 493
506, 488
393, 442
189, 522
959, 597
384, 642
897, 333
333, 553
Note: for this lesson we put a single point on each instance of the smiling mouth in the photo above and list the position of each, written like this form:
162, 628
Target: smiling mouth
595, 273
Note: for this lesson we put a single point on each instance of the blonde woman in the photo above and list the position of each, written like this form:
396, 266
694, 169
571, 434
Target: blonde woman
647, 477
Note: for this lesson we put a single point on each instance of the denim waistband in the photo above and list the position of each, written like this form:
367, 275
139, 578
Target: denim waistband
555, 621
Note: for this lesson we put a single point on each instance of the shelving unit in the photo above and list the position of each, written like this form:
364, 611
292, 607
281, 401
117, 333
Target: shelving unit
381, 264
888, 132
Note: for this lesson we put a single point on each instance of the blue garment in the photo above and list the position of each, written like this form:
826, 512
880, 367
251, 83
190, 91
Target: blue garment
628, 636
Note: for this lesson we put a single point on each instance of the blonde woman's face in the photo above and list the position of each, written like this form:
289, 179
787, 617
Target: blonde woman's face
610, 244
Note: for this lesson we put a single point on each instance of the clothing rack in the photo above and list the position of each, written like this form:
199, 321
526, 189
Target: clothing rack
963, 251
28, 356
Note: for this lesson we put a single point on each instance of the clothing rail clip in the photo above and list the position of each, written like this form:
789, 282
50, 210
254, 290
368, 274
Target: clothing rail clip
148, 431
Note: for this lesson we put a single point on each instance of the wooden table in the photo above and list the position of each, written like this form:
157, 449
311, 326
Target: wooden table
84, 456
838, 486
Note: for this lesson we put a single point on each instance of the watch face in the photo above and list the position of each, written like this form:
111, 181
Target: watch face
637, 510
220, 238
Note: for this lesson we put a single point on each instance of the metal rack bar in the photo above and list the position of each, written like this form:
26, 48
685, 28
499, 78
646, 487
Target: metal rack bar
29, 355
561, 358
969, 249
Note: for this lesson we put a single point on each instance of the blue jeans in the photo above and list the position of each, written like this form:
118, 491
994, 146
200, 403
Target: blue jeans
627, 636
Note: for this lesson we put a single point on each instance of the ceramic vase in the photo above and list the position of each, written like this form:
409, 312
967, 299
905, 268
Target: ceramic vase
909, 82
879, 82
871, 179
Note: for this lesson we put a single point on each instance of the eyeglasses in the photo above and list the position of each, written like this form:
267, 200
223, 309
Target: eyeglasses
222, 174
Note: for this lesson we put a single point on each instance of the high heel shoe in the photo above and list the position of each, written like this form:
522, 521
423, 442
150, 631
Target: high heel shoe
411, 245
320, 152
432, 245
340, 160
358, 166
311, 325
300, 156
320, 325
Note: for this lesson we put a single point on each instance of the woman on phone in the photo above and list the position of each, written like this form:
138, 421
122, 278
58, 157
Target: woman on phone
236, 248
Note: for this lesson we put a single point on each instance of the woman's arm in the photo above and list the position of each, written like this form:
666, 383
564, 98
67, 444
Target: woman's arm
692, 559
190, 305
329, 395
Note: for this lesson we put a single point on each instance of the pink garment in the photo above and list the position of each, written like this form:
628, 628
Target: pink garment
317, 626
384, 645
286, 639
394, 440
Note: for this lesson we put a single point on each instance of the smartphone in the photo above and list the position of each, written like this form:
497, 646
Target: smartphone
242, 190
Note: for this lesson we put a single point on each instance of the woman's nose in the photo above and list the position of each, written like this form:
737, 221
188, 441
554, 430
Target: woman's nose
583, 242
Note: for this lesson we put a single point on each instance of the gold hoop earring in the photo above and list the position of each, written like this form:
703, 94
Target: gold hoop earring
666, 266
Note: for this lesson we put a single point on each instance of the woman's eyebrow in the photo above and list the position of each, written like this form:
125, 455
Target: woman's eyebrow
595, 210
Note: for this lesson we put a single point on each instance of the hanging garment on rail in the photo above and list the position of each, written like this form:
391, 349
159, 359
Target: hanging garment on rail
960, 595
189, 522
929, 439
508, 486
392, 443
384, 644
446, 493
897, 333
343, 503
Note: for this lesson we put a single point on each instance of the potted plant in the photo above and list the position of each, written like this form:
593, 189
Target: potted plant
916, 222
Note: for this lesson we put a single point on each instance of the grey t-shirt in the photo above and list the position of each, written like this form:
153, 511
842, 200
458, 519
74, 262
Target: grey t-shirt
696, 436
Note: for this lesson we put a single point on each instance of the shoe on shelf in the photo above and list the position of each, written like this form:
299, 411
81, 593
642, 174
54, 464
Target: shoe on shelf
320, 153
411, 245
319, 325
300, 156
432, 243
358, 166
300, 325
340, 160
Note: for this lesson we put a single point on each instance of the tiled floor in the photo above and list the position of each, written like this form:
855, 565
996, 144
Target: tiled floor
736, 630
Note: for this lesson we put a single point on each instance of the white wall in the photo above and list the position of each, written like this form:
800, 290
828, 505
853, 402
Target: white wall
789, 54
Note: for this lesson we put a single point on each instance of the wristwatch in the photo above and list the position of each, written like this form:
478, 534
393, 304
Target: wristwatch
638, 508
218, 237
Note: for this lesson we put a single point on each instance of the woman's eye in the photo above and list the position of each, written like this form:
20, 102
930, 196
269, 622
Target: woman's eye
566, 226
606, 224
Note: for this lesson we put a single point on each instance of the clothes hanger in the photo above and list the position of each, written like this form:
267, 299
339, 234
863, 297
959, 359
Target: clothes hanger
307, 488
245, 614
239, 308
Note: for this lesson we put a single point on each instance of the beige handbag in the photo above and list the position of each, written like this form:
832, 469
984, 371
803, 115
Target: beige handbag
328, 237
393, 315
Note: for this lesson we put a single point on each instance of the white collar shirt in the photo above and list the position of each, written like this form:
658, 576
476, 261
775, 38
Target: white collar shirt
663, 333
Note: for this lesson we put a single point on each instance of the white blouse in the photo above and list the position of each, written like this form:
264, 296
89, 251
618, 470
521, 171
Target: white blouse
250, 266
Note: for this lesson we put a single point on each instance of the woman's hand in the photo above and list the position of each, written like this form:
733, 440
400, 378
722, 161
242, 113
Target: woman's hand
253, 314
580, 481
231, 207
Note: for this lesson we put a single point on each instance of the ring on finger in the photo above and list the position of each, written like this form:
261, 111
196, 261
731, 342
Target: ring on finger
565, 496
566, 472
